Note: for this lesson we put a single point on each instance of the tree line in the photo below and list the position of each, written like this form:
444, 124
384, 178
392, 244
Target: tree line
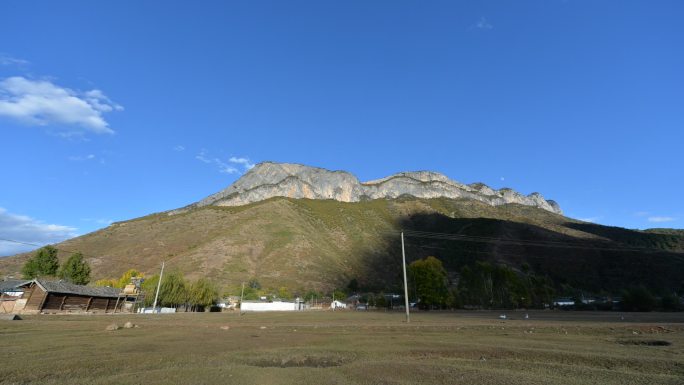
175, 290
480, 285
485, 285
46, 264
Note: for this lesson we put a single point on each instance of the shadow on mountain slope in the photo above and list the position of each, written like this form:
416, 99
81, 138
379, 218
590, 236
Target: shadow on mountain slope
651, 240
582, 263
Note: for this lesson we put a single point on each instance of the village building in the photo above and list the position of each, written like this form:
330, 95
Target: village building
43, 296
10, 293
273, 305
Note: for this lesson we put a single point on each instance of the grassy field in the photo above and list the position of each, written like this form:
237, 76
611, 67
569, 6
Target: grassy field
345, 347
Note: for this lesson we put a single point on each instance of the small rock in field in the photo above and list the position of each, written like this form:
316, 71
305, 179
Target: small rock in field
263, 327
112, 327
225, 327
128, 325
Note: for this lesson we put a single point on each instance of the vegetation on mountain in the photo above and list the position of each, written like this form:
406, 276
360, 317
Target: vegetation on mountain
315, 246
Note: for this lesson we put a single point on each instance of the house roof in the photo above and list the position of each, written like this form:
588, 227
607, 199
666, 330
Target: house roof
11, 284
64, 287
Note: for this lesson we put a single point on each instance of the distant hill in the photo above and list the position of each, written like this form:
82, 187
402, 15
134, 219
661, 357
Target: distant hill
319, 244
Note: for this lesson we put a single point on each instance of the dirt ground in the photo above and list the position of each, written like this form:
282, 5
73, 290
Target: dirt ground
346, 347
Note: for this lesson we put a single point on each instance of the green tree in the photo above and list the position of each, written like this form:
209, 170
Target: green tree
380, 301
173, 291
251, 293
284, 293
44, 263
202, 293
670, 302
76, 270
430, 280
353, 285
339, 294
638, 299
149, 287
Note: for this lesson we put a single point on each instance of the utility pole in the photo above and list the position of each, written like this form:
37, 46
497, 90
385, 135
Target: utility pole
156, 296
403, 265
242, 294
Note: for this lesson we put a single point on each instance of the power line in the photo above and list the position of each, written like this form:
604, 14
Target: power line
639, 262
84, 254
520, 242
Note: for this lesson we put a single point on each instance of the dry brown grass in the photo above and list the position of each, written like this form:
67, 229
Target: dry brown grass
345, 348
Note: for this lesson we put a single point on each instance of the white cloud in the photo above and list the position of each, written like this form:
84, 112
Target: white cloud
7, 60
484, 24
590, 219
226, 168
202, 156
41, 102
80, 158
661, 219
25, 229
179, 148
642, 213
245, 162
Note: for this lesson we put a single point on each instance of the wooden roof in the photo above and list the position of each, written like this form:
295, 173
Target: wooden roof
64, 287
12, 284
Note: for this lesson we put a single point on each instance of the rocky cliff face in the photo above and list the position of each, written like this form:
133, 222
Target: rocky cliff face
268, 179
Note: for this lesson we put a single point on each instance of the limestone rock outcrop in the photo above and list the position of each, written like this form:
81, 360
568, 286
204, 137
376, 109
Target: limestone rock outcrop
270, 179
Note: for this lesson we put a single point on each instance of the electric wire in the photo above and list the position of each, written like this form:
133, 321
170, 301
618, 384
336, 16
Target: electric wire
110, 258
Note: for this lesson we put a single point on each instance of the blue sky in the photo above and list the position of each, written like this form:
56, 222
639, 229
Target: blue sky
110, 111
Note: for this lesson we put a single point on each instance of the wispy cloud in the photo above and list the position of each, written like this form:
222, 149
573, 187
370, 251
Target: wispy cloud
41, 103
22, 228
484, 24
235, 165
661, 219
225, 168
203, 156
245, 162
590, 219
179, 148
81, 158
8, 60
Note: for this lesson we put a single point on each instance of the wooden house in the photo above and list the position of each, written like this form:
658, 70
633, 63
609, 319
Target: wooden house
43, 296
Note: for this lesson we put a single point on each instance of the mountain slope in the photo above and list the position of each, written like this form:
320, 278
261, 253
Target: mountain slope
307, 244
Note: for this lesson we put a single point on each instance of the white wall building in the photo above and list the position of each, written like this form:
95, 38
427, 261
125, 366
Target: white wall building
271, 306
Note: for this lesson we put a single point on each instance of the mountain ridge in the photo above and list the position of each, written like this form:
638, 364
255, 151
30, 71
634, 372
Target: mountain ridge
290, 180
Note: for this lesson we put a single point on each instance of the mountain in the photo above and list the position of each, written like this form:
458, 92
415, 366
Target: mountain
306, 228
267, 180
